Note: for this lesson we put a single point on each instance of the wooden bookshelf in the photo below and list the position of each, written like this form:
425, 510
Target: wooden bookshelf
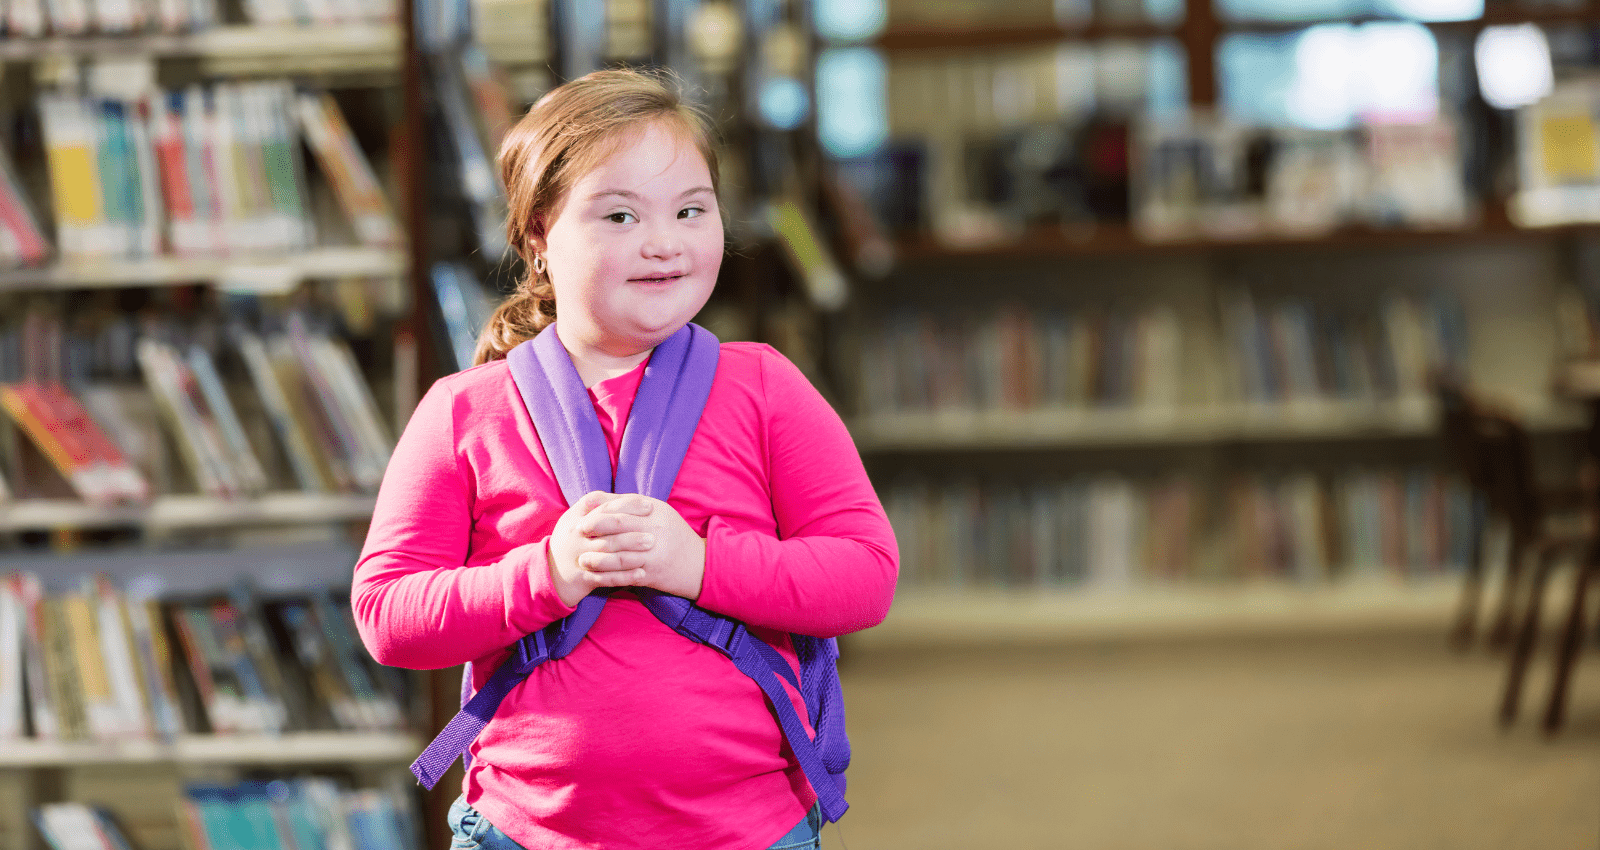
949, 430
264, 273
187, 512
924, 617
290, 748
976, 35
900, 39
1121, 241
258, 49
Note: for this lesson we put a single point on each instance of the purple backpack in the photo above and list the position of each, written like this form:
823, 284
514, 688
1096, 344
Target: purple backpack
665, 413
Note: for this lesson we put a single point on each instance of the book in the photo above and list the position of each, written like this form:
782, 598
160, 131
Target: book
62, 677
464, 306
290, 428
355, 663
341, 398
22, 240
347, 169
183, 405
807, 254
73, 442
70, 132
251, 476
221, 695
127, 712
479, 181
77, 826
13, 626
154, 660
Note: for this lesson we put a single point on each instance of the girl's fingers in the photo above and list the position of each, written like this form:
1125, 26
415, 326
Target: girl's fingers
631, 503
601, 523
610, 562
619, 578
628, 541
591, 500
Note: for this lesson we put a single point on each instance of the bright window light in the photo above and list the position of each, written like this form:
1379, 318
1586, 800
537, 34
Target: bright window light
1434, 10
1397, 79
850, 20
784, 102
1513, 65
852, 119
1330, 76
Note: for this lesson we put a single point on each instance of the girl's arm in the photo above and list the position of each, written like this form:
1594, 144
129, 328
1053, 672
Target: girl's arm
832, 568
416, 603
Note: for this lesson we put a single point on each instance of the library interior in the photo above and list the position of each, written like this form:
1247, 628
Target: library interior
1228, 371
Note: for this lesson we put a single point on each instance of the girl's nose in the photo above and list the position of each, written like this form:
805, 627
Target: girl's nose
662, 244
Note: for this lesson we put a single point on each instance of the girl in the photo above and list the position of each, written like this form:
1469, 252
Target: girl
639, 738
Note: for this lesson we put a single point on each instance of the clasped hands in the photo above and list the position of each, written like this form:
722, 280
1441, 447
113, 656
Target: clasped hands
624, 540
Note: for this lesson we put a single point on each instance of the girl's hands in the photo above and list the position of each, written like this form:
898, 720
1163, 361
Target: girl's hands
610, 540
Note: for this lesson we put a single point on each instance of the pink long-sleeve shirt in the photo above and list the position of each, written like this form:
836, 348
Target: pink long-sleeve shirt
639, 738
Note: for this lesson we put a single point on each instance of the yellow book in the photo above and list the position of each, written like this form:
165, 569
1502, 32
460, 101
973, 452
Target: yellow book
72, 155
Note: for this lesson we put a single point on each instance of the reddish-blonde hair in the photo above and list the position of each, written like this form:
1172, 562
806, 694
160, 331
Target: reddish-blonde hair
566, 134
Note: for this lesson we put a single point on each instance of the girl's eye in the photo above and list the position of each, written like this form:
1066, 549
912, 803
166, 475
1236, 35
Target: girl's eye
691, 212
621, 218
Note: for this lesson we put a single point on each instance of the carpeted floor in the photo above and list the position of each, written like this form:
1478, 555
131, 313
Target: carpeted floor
1373, 741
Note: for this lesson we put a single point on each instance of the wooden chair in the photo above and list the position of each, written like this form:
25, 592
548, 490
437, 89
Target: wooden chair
1494, 452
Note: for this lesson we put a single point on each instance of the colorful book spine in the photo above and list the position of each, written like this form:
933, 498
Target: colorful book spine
341, 159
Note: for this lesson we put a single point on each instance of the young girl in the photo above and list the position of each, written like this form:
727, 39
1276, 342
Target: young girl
640, 738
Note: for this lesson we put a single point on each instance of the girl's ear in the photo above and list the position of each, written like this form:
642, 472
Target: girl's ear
536, 242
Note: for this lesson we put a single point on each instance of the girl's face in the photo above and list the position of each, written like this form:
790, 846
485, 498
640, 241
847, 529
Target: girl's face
634, 248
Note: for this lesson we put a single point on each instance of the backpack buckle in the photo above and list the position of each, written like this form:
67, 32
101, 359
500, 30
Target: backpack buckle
532, 650
726, 636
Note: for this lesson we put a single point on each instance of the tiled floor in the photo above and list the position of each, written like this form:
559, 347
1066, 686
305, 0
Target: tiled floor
1382, 741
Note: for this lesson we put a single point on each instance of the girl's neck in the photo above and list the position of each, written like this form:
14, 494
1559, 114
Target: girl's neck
596, 363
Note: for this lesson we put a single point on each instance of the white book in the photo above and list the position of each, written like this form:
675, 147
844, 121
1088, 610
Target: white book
252, 477
12, 706
128, 718
1112, 526
232, 195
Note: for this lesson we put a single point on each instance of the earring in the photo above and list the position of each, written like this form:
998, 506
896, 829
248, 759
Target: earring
538, 264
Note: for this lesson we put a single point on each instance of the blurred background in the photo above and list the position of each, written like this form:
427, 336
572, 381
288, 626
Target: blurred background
1228, 369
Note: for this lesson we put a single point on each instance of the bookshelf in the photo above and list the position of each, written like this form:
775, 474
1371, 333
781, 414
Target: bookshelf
173, 513
293, 749
981, 430
262, 273
292, 241
971, 446
259, 48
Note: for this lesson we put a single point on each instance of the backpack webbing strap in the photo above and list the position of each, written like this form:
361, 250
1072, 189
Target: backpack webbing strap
731, 638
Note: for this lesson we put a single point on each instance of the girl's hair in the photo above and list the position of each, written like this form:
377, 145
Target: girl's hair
567, 133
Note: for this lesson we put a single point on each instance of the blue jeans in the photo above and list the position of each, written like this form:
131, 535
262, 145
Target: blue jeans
470, 830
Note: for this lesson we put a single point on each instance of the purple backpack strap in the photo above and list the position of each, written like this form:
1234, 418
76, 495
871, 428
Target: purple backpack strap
662, 422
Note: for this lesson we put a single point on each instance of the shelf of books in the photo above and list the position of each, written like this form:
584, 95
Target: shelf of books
259, 273
288, 749
170, 513
949, 430
262, 46
951, 617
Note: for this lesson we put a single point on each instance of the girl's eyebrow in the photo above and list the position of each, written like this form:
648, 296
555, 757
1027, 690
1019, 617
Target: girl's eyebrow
634, 196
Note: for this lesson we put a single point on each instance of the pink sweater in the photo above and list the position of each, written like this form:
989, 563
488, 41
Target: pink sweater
639, 738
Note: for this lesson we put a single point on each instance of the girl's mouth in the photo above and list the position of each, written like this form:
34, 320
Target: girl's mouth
658, 278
